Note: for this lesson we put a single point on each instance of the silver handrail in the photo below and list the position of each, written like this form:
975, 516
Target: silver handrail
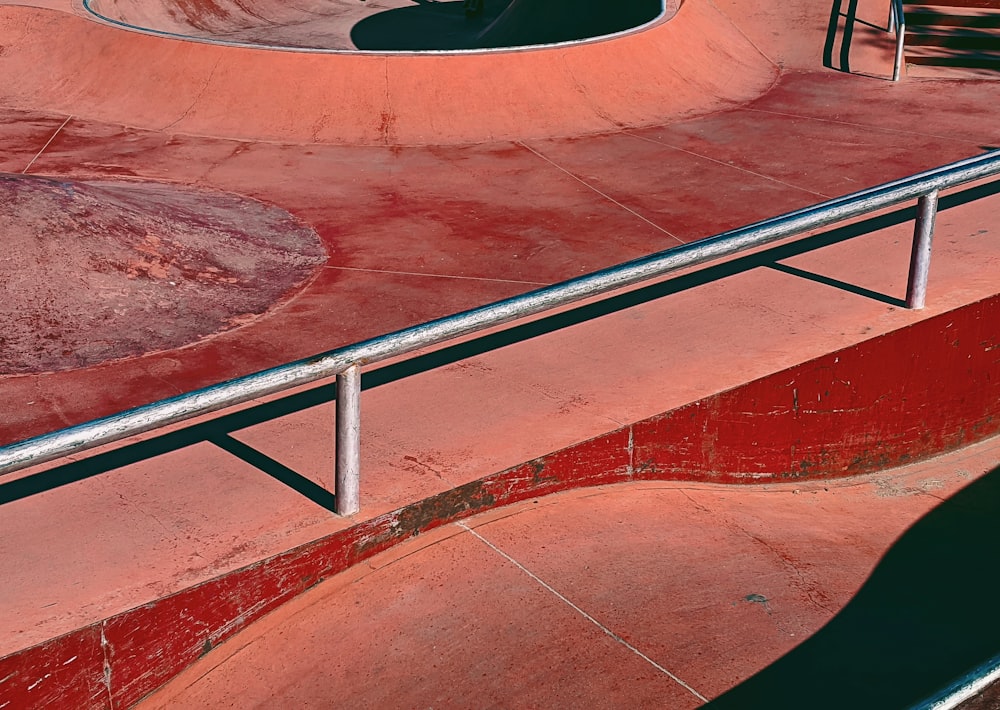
897, 22
964, 688
345, 363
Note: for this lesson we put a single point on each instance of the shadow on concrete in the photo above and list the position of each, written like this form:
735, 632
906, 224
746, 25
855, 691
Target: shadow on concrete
840, 31
927, 615
425, 26
837, 283
503, 23
218, 430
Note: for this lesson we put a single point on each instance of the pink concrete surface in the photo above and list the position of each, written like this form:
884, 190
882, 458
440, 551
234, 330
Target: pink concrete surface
227, 528
637, 595
177, 264
477, 196
701, 61
317, 25
387, 25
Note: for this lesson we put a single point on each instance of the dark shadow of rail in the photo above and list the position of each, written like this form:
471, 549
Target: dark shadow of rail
845, 12
218, 430
926, 616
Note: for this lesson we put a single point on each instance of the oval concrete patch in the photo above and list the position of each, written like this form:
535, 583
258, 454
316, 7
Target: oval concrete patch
93, 271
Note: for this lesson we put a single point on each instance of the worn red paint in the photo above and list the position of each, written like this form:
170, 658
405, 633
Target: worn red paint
66, 672
877, 404
914, 393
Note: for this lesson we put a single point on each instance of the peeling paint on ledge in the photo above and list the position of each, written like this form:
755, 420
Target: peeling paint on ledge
874, 416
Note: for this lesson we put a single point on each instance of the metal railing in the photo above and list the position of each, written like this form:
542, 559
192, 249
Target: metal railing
897, 22
345, 363
964, 688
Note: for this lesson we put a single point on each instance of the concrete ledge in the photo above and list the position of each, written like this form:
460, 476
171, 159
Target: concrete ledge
802, 423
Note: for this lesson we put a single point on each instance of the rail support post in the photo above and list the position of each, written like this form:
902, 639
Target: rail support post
347, 486
920, 256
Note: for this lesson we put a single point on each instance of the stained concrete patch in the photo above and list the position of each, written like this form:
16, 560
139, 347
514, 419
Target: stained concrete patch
93, 271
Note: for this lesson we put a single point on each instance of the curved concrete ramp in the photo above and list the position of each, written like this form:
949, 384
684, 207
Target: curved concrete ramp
695, 63
306, 24
389, 25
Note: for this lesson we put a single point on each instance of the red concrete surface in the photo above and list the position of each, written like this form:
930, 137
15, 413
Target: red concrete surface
181, 546
137, 268
549, 603
148, 644
390, 25
701, 61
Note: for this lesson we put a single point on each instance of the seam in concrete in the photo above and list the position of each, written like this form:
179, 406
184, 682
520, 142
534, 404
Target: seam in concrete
727, 165
867, 126
631, 452
606, 196
436, 276
47, 144
582, 613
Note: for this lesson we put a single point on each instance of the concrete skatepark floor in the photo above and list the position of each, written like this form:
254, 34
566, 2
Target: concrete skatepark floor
419, 219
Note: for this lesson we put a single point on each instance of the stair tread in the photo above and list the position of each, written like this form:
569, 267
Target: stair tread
936, 56
984, 4
955, 39
989, 33
965, 4
964, 18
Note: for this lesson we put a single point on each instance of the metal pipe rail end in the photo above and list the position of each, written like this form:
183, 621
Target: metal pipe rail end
920, 257
897, 21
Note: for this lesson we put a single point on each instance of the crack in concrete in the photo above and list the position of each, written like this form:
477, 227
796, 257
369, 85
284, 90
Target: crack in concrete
421, 464
194, 101
787, 564
783, 559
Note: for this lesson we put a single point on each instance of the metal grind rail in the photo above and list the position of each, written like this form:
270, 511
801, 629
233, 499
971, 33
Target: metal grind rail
897, 22
345, 363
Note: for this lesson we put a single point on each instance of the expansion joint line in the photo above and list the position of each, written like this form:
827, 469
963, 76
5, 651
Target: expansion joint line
582, 613
605, 195
729, 165
47, 144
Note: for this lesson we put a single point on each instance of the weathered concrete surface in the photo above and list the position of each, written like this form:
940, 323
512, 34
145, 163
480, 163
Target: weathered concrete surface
648, 595
414, 232
387, 25
97, 271
694, 63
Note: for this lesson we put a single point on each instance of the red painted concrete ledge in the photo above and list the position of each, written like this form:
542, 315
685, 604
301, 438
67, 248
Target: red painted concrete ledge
862, 409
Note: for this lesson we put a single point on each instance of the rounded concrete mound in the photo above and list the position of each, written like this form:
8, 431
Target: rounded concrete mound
96, 271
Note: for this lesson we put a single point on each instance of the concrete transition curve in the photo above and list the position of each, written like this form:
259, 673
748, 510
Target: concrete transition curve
692, 63
385, 26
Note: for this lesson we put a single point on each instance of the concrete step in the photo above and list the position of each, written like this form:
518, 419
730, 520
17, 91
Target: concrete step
962, 39
951, 57
971, 19
985, 4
